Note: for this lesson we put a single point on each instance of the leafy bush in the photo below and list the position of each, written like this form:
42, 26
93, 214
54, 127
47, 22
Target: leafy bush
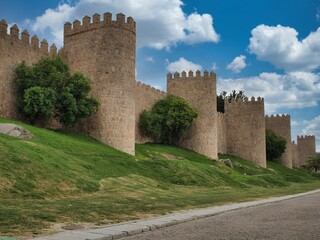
314, 163
168, 121
47, 90
275, 145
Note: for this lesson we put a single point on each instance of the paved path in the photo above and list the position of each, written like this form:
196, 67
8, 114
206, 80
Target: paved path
290, 217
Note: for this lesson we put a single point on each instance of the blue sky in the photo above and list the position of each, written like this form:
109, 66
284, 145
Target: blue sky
267, 48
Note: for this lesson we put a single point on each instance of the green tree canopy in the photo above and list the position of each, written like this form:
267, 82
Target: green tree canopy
232, 95
168, 121
47, 90
314, 163
275, 145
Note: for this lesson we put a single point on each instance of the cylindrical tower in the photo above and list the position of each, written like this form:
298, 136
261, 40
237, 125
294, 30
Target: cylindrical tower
105, 51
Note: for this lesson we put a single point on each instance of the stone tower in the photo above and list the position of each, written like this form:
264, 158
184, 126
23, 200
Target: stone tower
200, 92
105, 51
281, 126
246, 129
306, 148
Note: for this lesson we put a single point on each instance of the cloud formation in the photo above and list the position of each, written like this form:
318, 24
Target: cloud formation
281, 47
237, 64
280, 91
183, 65
161, 24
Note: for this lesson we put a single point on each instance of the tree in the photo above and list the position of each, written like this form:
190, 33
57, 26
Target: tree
47, 90
168, 121
275, 145
232, 95
314, 163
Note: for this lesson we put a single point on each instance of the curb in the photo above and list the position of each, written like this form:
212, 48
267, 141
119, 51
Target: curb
126, 229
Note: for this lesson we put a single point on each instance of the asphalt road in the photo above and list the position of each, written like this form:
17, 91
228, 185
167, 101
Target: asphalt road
292, 219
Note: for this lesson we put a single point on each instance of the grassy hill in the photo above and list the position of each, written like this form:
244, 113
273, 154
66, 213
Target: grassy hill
65, 177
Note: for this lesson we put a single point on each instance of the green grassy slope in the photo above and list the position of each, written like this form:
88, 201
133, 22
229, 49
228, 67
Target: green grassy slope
65, 177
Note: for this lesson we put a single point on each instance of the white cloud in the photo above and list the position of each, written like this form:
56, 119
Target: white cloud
183, 65
237, 64
291, 90
160, 24
214, 66
149, 59
312, 127
281, 47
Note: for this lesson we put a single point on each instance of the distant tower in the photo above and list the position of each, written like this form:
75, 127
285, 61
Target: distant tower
105, 51
281, 126
306, 148
200, 92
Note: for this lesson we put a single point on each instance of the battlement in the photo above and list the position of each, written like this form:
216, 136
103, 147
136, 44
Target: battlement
89, 24
253, 100
283, 116
25, 38
149, 88
306, 137
206, 76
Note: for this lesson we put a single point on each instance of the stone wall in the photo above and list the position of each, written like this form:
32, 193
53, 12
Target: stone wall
105, 51
246, 129
15, 48
307, 148
295, 154
222, 133
200, 92
145, 97
281, 126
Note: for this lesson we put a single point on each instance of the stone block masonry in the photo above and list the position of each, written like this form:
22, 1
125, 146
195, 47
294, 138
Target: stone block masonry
200, 92
246, 129
105, 50
280, 125
306, 148
15, 48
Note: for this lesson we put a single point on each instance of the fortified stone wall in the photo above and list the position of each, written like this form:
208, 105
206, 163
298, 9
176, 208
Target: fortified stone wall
200, 92
145, 97
295, 155
307, 148
222, 133
15, 48
246, 129
105, 51
282, 127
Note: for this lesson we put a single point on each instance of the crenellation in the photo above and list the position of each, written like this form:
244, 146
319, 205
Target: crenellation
67, 28
87, 25
76, 24
86, 20
14, 31
107, 17
183, 76
53, 50
198, 74
96, 18
3, 27
44, 46
35, 42
25, 37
